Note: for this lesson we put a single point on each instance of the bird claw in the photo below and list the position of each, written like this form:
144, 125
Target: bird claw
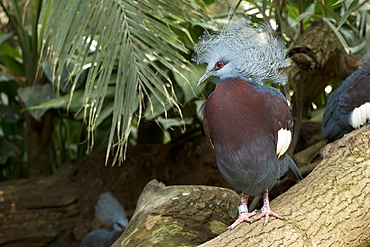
243, 216
266, 212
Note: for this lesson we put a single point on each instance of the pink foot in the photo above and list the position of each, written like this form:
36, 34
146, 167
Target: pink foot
266, 211
243, 216
243, 212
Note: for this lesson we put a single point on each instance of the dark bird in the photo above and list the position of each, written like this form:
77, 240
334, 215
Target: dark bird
248, 123
348, 107
110, 212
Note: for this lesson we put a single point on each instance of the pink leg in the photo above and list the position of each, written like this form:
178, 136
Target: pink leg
243, 212
265, 210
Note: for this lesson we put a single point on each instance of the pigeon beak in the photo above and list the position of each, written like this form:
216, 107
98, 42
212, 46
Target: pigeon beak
204, 77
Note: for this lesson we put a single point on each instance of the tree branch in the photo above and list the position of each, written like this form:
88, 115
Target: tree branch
328, 208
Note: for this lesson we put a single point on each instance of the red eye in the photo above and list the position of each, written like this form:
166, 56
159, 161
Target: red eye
219, 65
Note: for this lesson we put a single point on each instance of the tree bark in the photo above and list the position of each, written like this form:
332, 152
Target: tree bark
179, 215
330, 207
35, 211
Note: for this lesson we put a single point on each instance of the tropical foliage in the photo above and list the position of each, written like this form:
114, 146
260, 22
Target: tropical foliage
82, 75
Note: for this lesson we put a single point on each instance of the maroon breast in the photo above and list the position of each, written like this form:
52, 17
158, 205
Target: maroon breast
236, 113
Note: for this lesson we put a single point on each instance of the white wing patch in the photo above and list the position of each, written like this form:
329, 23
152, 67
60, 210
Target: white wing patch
283, 141
359, 115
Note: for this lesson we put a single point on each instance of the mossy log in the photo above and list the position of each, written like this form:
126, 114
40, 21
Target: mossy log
185, 215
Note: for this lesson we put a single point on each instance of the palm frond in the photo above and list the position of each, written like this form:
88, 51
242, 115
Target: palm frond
131, 38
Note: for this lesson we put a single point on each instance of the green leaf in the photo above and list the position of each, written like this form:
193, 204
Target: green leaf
187, 79
301, 17
5, 77
13, 64
5, 37
347, 13
167, 123
198, 104
7, 150
339, 35
8, 114
35, 95
66, 102
74, 103
155, 107
105, 113
204, 2
66, 76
